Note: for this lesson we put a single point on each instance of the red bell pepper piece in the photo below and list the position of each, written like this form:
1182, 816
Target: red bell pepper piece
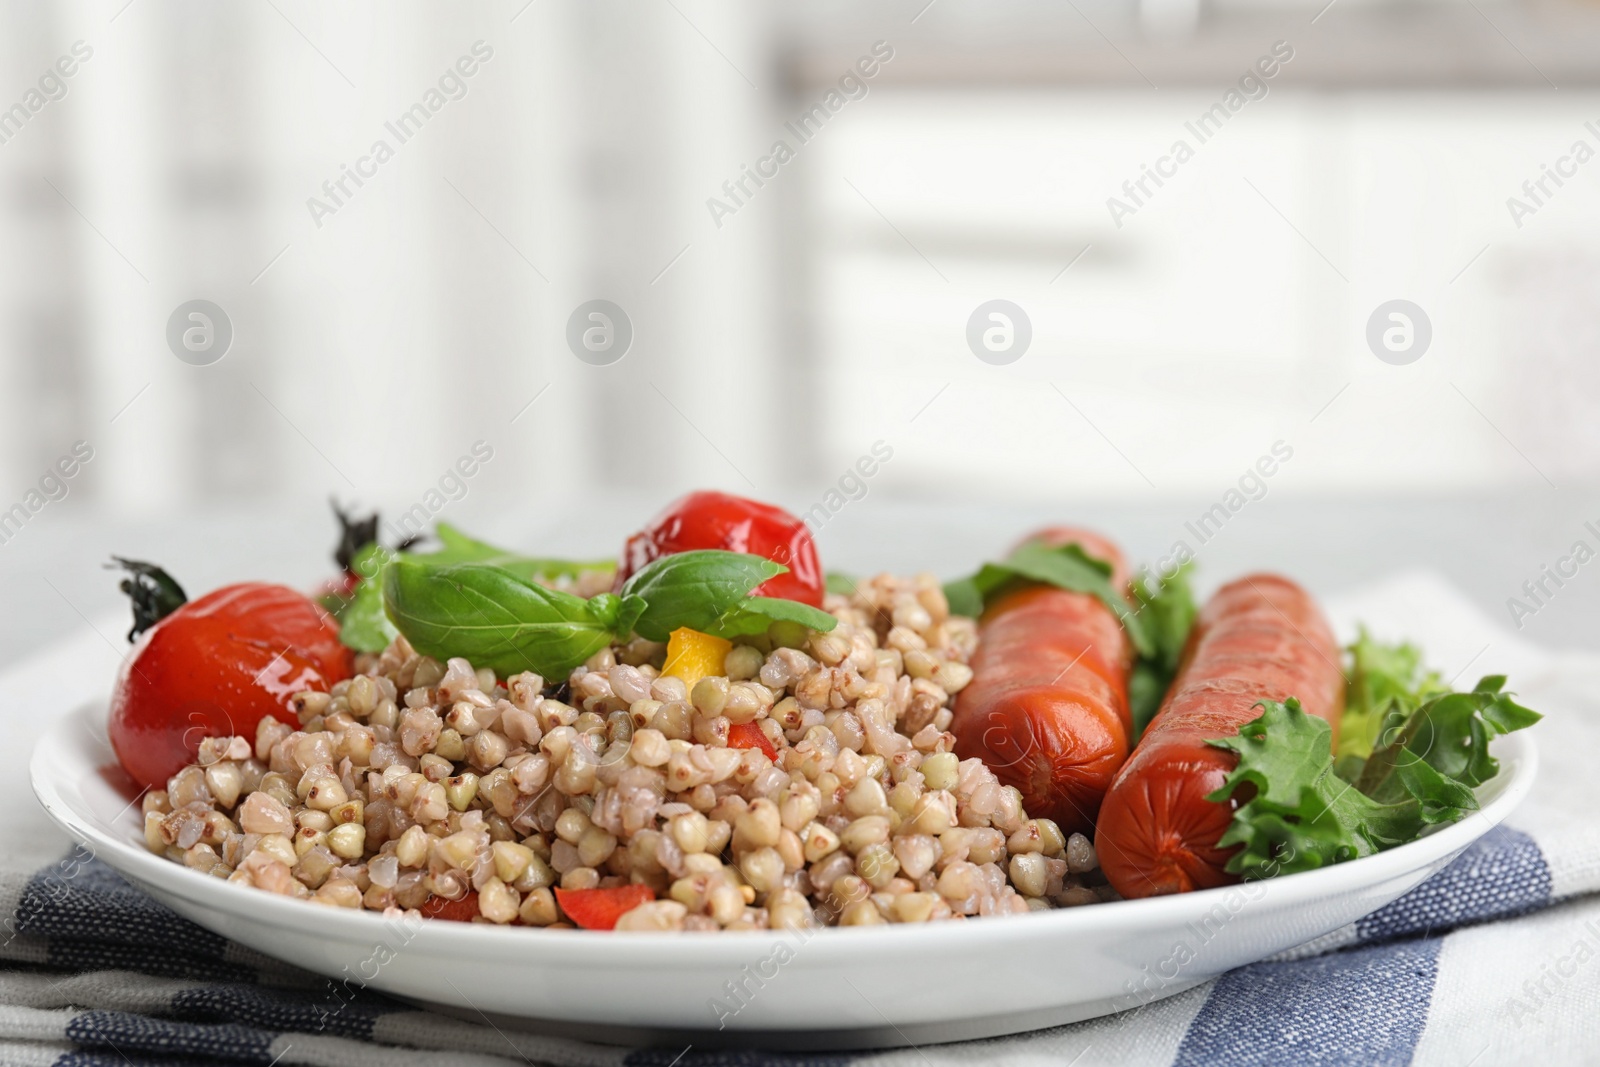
749, 735
599, 909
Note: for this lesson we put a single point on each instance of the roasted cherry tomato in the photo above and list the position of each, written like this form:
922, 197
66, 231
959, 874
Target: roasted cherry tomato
216, 667
599, 909
718, 520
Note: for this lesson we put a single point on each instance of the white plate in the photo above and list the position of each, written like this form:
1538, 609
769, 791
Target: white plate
840, 988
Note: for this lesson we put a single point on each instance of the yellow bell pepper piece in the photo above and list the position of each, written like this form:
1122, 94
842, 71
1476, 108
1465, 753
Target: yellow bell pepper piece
692, 655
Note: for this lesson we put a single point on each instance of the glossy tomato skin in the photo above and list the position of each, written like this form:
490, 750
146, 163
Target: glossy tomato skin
216, 667
720, 520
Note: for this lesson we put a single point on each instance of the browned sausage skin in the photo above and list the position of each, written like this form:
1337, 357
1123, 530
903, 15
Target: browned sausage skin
1047, 707
1261, 637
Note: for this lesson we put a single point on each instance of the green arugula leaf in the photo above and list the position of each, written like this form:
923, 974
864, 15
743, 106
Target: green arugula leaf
498, 619
698, 589
1064, 566
363, 625
1167, 608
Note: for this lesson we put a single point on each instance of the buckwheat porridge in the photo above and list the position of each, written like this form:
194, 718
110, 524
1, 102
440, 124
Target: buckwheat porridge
796, 778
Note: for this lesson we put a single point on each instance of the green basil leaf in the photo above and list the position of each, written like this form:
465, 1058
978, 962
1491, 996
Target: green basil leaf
839, 583
629, 608
457, 547
696, 589
1157, 621
498, 619
1064, 566
363, 625
754, 614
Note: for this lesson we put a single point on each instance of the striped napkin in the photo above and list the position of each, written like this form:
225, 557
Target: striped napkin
1495, 960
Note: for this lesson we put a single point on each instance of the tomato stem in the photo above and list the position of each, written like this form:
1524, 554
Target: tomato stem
354, 534
154, 593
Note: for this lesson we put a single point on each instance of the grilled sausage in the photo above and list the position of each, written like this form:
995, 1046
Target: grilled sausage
1258, 638
1047, 707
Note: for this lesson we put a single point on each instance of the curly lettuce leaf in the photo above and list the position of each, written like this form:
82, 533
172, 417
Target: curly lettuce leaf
1382, 677
1298, 814
1167, 608
1449, 733
1302, 815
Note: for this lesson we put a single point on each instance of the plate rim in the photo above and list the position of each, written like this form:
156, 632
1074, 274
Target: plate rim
826, 946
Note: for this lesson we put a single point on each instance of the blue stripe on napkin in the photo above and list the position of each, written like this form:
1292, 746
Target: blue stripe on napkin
125, 1033
337, 1012
1500, 875
111, 1058
156, 960
93, 920
82, 898
1363, 1008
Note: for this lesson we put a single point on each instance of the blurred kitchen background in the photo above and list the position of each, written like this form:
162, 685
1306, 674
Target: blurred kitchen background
379, 330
